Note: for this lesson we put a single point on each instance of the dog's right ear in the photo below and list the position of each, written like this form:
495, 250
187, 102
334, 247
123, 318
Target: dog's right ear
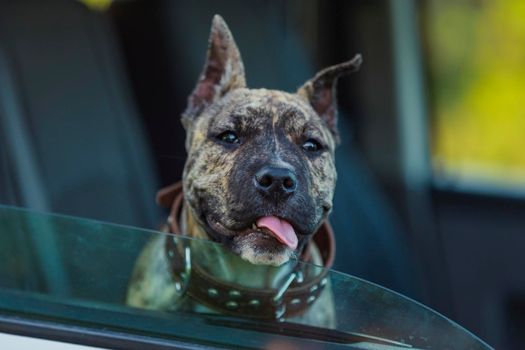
223, 71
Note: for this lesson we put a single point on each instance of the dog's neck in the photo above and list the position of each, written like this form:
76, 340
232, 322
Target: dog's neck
216, 260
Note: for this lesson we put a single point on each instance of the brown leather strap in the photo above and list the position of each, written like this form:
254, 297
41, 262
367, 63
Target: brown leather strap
172, 197
235, 299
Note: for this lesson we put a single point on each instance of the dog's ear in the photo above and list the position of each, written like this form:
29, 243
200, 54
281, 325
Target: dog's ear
320, 91
223, 71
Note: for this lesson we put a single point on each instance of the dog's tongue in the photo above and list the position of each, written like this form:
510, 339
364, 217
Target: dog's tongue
281, 229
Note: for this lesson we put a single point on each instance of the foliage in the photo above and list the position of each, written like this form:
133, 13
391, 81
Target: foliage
477, 69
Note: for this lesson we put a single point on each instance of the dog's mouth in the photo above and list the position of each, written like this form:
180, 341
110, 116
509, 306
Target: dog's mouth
281, 229
275, 227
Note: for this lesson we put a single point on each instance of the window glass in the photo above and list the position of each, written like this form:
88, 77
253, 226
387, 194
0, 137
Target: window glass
76, 272
475, 57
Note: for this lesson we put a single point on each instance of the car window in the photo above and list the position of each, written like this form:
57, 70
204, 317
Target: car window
77, 271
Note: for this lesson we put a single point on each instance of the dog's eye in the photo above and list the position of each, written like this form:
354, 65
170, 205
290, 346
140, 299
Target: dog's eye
228, 137
312, 145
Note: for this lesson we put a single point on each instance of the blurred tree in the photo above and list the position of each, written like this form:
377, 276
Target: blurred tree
100, 5
476, 55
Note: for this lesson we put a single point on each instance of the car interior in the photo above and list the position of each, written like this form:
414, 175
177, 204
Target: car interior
90, 105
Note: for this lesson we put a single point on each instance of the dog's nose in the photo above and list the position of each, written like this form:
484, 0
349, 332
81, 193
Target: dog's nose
277, 182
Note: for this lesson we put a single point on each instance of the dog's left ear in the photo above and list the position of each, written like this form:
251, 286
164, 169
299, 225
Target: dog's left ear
320, 91
223, 71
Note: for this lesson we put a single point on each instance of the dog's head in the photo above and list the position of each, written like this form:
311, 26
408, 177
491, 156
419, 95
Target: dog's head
260, 173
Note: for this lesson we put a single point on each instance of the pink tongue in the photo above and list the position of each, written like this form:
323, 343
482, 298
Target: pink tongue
281, 229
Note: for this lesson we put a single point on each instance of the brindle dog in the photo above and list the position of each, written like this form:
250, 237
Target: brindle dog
260, 172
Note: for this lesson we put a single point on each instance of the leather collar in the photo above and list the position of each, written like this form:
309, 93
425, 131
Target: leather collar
292, 299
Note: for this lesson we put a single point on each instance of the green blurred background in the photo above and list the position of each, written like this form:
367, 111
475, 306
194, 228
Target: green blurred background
475, 52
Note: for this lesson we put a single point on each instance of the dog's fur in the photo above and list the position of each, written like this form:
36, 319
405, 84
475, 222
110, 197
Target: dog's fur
291, 131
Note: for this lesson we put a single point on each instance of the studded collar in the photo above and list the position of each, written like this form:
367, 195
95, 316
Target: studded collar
298, 291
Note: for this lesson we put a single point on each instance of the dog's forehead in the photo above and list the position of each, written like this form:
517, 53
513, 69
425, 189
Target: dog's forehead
272, 103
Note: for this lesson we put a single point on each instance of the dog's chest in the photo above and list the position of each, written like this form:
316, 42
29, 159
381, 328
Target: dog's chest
153, 286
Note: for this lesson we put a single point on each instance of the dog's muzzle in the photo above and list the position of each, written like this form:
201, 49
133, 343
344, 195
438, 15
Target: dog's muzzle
292, 298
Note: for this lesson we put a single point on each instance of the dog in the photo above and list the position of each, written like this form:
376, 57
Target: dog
259, 180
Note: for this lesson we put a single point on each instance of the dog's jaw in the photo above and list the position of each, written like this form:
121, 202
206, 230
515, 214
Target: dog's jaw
248, 244
248, 247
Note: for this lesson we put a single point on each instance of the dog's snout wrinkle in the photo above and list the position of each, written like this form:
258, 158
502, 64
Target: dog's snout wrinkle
278, 183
